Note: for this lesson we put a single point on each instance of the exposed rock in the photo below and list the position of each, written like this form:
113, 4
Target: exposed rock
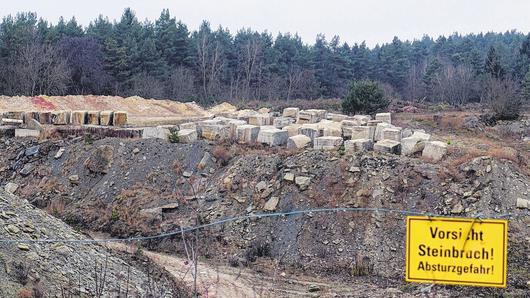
27, 169
292, 130
378, 134
187, 174
288, 177
247, 134
393, 134
260, 119
310, 130
59, 153
384, 117
434, 150
100, 160
136, 150
290, 112
26, 133
360, 132
157, 132
11, 187
298, 142
522, 203
187, 135
388, 146
271, 204
272, 137
327, 143
302, 182
74, 179
358, 145
414, 143
282, 122
32, 151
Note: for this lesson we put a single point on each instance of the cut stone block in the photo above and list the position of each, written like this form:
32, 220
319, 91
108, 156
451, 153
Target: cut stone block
337, 117
292, 130
385, 117
120, 118
247, 134
45, 117
373, 122
358, 145
214, 132
407, 132
281, 122
105, 118
19, 115
290, 112
78, 117
378, 135
307, 116
327, 143
33, 124
360, 132
272, 137
434, 150
187, 135
234, 123
388, 146
260, 119
23, 133
321, 114
332, 131
92, 118
310, 130
15, 122
246, 114
361, 119
31, 115
60, 117
393, 133
414, 143
155, 133
188, 125
298, 142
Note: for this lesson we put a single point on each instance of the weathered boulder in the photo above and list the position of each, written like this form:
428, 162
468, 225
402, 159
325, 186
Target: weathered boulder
272, 136
392, 133
298, 142
434, 150
293, 129
414, 143
281, 122
373, 122
327, 143
302, 182
388, 146
385, 117
247, 134
78, 117
187, 135
290, 112
358, 145
378, 135
260, 119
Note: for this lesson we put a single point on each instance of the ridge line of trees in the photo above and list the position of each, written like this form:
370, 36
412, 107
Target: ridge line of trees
164, 59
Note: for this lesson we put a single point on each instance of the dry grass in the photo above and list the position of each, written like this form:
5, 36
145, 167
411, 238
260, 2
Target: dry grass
222, 154
56, 208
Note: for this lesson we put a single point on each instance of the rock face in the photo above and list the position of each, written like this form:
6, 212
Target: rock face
388, 146
27, 265
327, 143
434, 150
272, 136
247, 134
298, 142
358, 145
187, 135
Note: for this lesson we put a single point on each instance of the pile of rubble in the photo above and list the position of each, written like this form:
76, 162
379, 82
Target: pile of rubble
318, 129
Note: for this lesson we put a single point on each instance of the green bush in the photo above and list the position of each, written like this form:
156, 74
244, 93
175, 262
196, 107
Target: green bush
365, 97
174, 136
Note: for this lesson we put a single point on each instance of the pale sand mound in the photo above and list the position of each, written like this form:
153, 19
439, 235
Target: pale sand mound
141, 111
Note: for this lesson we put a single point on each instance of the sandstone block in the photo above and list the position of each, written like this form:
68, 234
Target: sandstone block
260, 119
388, 146
45, 117
120, 118
358, 145
393, 133
155, 133
290, 112
60, 117
293, 129
414, 143
272, 137
281, 122
307, 116
327, 143
360, 132
234, 123
23, 133
106, 117
378, 135
78, 117
361, 119
434, 150
92, 117
385, 117
298, 142
214, 132
337, 117
247, 134
310, 130
187, 135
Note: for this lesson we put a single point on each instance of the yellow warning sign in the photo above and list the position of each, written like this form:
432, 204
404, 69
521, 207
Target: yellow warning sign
457, 251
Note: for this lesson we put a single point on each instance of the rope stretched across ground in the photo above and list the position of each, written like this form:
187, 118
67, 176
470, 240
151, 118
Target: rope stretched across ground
242, 217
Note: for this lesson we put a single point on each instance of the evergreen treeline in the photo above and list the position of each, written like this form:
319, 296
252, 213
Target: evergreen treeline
165, 59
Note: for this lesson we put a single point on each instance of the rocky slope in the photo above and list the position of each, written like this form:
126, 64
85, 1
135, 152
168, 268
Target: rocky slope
144, 187
55, 269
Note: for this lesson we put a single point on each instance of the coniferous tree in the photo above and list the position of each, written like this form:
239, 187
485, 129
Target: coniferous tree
492, 65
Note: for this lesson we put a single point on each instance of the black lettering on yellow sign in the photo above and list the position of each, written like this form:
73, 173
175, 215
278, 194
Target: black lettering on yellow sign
456, 251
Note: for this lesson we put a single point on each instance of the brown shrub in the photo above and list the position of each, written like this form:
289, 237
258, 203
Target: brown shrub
222, 155
24, 293
56, 207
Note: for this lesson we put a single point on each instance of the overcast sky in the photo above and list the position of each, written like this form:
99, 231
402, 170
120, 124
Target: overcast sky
354, 21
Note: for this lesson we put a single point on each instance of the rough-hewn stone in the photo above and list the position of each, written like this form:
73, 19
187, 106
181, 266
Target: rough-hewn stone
298, 142
293, 129
92, 117
272, 136
327, 143
378, 135
105, 118
434, 150
260, 119
358, 145
360, 132
60, 117
157, 132
310, 130
392, 133
247, 134
388, 146
385, 117
78, 117
281, 122
414, 143
290, 112
23, 133
187, 135
120, 118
